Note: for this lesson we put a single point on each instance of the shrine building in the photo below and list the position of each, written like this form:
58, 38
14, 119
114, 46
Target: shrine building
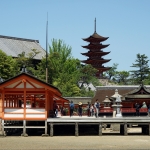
130, 95
26, 98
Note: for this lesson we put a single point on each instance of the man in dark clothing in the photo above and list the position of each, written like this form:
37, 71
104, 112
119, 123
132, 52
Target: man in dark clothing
71, 108
137, 108
54, 109
88, 109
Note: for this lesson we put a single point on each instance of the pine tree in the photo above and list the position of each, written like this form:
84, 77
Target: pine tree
142, 71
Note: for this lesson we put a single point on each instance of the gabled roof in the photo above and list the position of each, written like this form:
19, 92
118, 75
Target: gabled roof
13, 46
140, 92
46, 85
103, 91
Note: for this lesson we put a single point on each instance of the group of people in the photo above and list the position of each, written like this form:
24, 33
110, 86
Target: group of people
58, 110
138, 106
92, 109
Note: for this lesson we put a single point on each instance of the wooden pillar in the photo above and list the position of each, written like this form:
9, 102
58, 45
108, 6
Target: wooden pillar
24, 129
125, 129
2, 132
51, 129
45, 126
45, 129
149, 128
100, 129
76, 129
46, 105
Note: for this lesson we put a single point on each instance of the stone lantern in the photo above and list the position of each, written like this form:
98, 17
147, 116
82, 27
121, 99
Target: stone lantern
106, 102
114, 98
118, 103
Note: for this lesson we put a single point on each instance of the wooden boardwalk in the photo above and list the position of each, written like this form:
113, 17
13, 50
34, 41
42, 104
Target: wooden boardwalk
144, 122
48, 126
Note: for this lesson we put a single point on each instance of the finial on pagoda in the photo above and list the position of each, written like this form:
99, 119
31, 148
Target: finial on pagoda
95, 26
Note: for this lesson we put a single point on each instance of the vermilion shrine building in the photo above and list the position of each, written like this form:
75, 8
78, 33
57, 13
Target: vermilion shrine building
130, 95
26, 98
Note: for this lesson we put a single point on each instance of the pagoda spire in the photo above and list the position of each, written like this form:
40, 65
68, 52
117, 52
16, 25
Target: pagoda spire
95, 52
95, 26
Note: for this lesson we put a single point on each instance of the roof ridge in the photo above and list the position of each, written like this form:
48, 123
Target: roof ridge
16, 38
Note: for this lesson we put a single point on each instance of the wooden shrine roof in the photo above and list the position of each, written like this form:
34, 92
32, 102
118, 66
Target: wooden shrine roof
140, 92
22, 76
103, 91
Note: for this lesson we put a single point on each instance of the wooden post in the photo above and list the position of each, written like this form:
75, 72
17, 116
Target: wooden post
2, 133
76, 129
149, 129
100, 129
24, 129
51, 129
125, 129
45, 126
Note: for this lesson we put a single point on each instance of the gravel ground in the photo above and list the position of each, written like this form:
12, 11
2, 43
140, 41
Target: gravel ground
74, 143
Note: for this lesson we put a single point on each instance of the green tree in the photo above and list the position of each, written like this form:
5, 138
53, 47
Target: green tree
64, 71
122, 77
27, 60
142, 71
7, 66
112, 72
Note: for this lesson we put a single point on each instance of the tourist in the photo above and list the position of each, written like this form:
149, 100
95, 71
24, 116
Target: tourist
149, 110
57, 110
137, 108
54, 109
91, 110
97, 107
71, 108
88, 109
61, 110
80, 109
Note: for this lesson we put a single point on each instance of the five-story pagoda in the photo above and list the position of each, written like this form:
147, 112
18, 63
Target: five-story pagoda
96, 53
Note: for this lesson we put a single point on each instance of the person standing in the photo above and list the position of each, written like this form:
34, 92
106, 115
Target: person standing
88, 109
71, 108
54, 109
137, 109
80, 109
97, 107
91, 110
149, 110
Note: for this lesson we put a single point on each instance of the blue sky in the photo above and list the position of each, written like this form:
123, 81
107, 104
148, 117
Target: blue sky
125, 22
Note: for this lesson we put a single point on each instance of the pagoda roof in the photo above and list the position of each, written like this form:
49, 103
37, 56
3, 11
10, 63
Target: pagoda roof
95, 61
95, 46
97, 53
95, 37
102, 68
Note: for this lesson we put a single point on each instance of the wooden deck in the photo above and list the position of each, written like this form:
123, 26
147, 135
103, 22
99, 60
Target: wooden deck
123, 123
100, 121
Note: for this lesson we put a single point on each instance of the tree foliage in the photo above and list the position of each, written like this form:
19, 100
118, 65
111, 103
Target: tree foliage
64, 71
122, 77
7, 66
142, 69
112, 72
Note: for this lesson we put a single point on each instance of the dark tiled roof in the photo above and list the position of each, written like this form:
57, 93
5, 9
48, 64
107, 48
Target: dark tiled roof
103, 91
13, 46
